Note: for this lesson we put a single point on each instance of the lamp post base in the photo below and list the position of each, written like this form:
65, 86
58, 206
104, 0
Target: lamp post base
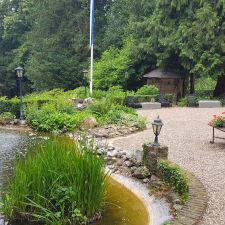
151, 154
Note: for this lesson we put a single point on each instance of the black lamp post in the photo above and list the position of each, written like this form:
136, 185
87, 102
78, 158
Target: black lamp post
157, 126
85, 72
19, 71
126, 76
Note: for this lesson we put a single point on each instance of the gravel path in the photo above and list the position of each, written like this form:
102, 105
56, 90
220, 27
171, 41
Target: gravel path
187, 135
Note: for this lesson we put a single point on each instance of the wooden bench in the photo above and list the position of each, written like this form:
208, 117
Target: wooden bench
222, 129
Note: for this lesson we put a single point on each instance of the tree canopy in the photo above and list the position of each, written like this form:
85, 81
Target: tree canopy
50, 38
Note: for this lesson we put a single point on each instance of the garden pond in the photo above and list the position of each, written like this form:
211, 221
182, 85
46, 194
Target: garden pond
122, 206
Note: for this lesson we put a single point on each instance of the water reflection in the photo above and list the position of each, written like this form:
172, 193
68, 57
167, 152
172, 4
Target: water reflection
12, 145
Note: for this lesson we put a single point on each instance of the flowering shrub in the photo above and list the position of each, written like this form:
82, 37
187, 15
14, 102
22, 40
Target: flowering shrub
218, 121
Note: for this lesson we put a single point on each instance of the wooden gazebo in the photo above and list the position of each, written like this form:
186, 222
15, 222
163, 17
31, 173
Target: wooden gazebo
167, 82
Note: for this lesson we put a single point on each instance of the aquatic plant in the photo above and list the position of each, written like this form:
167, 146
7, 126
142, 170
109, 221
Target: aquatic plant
58, 183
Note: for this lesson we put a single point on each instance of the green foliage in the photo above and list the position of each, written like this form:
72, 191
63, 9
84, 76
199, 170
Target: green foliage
110, 69
182, 102
8, 116
49, 118
204, 87
121, 118
58, 183
11, 105
148, 90
192, 101
133, 36
54, 111
173, 176
205, 84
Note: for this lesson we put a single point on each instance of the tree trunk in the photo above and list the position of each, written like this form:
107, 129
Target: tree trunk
220, 87
192, 84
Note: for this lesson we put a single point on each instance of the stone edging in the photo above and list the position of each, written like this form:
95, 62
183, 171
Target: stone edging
193, 211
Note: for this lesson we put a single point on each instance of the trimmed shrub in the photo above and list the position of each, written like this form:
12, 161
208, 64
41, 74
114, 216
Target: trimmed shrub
148, 90
10, 105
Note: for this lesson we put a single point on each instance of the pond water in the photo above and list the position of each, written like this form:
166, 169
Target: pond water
122, 206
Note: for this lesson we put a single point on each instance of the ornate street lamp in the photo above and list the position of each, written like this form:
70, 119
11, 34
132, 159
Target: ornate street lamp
126, 76
19, 72
85, 72
157, 126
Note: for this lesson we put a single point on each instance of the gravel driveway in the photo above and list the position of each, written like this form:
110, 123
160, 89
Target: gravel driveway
187, 135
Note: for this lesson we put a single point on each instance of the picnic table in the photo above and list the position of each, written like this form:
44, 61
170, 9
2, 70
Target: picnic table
222, 129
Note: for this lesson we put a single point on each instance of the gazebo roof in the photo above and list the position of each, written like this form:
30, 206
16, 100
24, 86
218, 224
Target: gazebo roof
157, 73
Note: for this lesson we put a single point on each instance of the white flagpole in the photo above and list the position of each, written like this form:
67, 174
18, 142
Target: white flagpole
92, 65
92, 44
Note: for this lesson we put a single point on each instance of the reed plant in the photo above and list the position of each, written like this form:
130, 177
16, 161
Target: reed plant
58, 183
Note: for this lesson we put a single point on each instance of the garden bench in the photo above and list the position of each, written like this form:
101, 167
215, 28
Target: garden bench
222, 129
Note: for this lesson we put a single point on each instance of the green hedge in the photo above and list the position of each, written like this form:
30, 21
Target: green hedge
13, 105
173, 176
148, 98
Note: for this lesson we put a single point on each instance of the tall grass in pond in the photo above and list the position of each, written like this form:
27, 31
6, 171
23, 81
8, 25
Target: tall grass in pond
57, 183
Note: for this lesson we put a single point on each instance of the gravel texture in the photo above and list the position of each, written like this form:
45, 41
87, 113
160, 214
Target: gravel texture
187, 134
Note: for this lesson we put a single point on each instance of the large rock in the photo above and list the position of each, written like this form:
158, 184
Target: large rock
88, 123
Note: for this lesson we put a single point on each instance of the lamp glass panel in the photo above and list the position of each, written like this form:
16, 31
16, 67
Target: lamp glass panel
20, 73
154, 126
159, 127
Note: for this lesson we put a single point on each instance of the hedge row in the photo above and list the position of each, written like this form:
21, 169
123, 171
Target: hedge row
13, 105
143, 98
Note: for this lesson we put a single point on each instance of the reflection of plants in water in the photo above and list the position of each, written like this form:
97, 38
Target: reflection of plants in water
58, 183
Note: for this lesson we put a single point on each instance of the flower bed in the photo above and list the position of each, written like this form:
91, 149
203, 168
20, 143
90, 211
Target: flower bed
218, 120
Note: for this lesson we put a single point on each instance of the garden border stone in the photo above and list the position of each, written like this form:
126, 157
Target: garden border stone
193, 211
209, 104
151, 105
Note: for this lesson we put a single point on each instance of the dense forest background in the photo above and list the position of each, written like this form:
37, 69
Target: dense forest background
50, 39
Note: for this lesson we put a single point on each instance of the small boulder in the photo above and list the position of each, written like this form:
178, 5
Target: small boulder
174, 198
112, 153
139, 155
177, 207
141, 173
146, 180
154, 178
88, 123
119, 162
